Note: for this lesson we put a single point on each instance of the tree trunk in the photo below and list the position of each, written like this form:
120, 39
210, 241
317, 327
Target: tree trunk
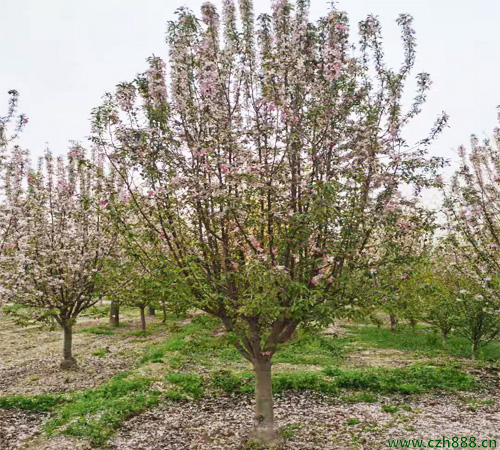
143, 319
263, 431
474, 348
151, 310
394, 322
444, 333
164, 309
114, 314
68, 361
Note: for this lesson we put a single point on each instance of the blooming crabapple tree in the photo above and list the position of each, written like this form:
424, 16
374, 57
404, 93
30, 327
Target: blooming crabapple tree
265, 163
13, 166
472, 204
400, 247
435, 283
59, 253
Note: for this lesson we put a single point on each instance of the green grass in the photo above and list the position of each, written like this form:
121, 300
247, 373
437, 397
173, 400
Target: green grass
413, 379
99, 329
202, 343
423, 340
101, 353
313, 349
186, 386
201, 346
97, 413
35, 403
288, 431
392, 409
194, 344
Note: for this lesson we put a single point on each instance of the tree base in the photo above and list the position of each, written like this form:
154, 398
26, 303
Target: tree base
267, 439
68, 364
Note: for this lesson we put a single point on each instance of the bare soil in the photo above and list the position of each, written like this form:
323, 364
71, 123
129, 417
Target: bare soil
30, 357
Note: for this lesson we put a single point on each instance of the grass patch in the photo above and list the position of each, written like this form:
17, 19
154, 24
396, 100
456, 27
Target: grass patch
390, 409
409, 380
186, 386
288, 431
101, 353
35, 403
194, 344
314, 349
99, 329
97, 413
353, 421
361, 397
414, 379
425, 340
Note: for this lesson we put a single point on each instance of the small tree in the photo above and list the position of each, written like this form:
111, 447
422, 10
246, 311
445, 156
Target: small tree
61, 250
479, 319
400, 249
265, 175
435, 284
472, 205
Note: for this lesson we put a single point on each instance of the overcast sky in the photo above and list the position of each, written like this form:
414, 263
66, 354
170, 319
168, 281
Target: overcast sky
63, 55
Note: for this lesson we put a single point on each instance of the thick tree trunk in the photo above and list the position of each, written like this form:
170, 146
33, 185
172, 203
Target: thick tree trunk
151, 310
143, 319
114, 314
263, 431
68, 362
394, 322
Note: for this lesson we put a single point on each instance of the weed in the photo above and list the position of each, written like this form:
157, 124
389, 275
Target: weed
390, 409
353, 421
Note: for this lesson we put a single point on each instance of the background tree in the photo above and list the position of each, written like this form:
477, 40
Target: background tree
265, 174
400, 248
472, 205
435, 284
59, 253
13, 168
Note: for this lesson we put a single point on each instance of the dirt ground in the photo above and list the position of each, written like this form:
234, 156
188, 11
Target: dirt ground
29, 360
222, 423
30, 357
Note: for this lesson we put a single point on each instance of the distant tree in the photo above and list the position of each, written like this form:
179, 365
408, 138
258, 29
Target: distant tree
435, 284
55, 265
13, 168
401, 247
472, 205
265, 175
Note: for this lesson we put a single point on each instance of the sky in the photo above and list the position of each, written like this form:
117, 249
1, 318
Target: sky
64, 55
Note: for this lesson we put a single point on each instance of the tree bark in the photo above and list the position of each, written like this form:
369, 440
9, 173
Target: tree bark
151, 310
263, 431
164, 309
114, 314
68, 362
474, 348
444, 333
394, 322
143, 319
